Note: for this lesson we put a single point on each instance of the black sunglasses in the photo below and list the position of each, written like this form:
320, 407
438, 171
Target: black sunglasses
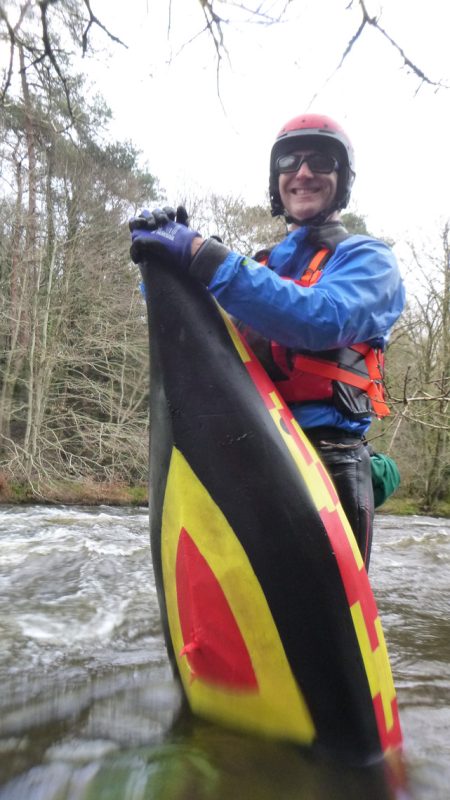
317, 162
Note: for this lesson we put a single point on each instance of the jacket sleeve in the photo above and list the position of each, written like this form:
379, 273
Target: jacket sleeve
359, 296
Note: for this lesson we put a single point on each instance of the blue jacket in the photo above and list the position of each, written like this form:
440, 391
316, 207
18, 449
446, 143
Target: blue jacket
358, 298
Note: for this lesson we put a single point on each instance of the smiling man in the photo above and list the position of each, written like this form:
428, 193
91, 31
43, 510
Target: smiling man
307, 183
317, 308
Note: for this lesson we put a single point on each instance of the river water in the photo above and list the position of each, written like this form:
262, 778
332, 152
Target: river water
87, 704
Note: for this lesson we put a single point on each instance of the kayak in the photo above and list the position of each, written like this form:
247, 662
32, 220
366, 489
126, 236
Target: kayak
269, 618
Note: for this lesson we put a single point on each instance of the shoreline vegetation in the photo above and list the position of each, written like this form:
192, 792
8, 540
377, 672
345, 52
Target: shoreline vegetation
91, 493
73, 493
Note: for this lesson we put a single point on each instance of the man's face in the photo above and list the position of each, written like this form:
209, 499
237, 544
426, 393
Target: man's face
305, 193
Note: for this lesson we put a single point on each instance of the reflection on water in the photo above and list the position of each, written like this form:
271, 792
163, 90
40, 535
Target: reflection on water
88, 703
201, 763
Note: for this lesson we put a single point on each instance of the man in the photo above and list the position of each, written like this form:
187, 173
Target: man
317, 312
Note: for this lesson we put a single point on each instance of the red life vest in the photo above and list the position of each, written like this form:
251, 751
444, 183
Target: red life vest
349, 377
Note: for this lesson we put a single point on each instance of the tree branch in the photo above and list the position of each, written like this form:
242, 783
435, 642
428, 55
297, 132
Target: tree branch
373, 21
12, 34
49, 52
93, 20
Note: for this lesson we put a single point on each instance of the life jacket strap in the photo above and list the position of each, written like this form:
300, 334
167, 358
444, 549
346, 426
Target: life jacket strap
315, 267
371, 384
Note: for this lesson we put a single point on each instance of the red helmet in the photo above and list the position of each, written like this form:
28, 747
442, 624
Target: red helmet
314, 130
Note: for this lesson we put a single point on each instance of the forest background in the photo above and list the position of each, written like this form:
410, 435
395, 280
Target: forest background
73, 336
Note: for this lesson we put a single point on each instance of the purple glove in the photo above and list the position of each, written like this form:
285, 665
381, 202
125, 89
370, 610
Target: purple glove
162, 234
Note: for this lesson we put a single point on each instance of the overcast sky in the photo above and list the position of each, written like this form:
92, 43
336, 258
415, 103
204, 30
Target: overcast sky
164, 97
400, 129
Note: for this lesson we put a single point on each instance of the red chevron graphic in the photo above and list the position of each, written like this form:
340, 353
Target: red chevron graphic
213, 643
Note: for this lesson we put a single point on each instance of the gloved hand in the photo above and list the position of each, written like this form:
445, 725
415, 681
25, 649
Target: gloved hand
162, 234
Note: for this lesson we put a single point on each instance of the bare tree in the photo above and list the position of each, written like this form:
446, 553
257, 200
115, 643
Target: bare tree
73, 356
244, 228
33, 32
419, 376
40, 33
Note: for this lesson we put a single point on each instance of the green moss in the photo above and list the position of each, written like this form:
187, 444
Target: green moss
138, 495
19, 492
406, 506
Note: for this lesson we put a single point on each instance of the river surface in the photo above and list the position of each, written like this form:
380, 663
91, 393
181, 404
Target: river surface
87, 704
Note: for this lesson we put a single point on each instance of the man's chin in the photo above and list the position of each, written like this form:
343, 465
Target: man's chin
304, 212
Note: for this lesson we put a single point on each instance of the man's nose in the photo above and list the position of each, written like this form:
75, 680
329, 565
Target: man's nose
304, 170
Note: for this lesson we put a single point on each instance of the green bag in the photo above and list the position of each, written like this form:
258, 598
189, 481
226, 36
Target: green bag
385, 477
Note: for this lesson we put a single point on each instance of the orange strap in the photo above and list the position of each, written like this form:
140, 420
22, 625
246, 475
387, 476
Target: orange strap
327, 369
314, 269
312, 272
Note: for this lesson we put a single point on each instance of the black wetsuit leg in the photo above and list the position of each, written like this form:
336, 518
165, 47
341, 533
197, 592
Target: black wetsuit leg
348, 464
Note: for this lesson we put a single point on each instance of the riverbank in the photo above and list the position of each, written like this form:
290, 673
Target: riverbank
73, 493
91, 493
407, 506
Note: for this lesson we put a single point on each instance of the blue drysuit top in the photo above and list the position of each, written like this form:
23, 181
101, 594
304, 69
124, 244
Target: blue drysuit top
358, 298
